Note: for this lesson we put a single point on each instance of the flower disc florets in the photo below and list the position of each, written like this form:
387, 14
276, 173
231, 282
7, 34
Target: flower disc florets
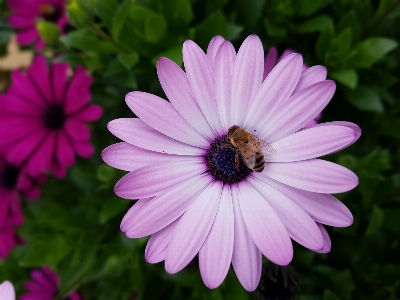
221, 162
9, 176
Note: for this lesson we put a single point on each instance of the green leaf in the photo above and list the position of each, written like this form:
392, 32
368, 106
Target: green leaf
93, 61
174, 54
82, 41
347, 77
339, 48
329, 295
78, 16
375, 220
343, 284
48, 31
274, 29
178, 13
316, 24
119, 19
156, 28
323, 43
128, 59
46, 250
250, 13
106, 9
111, 207
214, 25
307, 7
365, 98
114, 67
370, 51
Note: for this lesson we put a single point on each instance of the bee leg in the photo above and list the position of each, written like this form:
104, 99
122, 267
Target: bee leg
237, 161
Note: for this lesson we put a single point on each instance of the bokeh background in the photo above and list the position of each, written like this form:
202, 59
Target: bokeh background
73, 227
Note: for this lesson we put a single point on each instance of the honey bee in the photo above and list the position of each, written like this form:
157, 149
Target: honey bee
249, 148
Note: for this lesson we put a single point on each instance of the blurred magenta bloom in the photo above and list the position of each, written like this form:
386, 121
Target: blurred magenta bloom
193, 197
26, 12
13, 181
43, 116
271, 59
45, 286
7, 291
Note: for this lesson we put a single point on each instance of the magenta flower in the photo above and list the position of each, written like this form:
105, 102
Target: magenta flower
44, 115
7, 291
13, 181
45, 286
194, 197
26, 12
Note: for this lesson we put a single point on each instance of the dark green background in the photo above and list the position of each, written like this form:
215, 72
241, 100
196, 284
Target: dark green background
74, 226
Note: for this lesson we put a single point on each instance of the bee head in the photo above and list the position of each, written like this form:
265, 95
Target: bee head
232, 130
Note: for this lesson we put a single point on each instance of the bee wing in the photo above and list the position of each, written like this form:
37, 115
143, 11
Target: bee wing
265, 147
248, 153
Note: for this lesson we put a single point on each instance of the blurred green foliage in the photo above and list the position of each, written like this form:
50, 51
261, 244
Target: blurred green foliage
74, 226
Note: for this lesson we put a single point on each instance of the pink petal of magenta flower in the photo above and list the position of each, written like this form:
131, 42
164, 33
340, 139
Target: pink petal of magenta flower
25, 14
45, 286
44, 116
196, 197
7, 291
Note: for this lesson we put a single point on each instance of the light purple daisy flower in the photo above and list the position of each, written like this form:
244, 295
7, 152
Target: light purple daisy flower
27, 12
7, 291
193, 197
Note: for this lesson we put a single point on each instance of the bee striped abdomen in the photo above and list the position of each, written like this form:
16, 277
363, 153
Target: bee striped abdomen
260, 163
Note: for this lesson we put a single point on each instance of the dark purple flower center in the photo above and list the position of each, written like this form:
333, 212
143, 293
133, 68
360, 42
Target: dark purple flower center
54, 117
50, 12
9, 176
221, 160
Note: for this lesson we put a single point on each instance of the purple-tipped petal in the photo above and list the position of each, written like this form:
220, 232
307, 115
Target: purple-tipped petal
151, 181
76, 129
90, 113
21, 22
64, 150
327, 240
16, 105
23, 86
223, 69
161, 115
300, 226
246, 257
25, 147
83, 148
213, 47
270, 61
39, 75
59, 75
247, 77
41, 159
311, 143
193, 229
276, 88
298, 111
127, 157
200, 76
78, 92
314, 175
354, 127
215, 255
164, 209
14, 128
311, 75
156, 248
27, 36
176, 86
264, 226
323, 208
138, 133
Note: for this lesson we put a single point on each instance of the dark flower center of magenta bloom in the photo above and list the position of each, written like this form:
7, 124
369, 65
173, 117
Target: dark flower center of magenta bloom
9, 176
50, 12
221, 162
54, 117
